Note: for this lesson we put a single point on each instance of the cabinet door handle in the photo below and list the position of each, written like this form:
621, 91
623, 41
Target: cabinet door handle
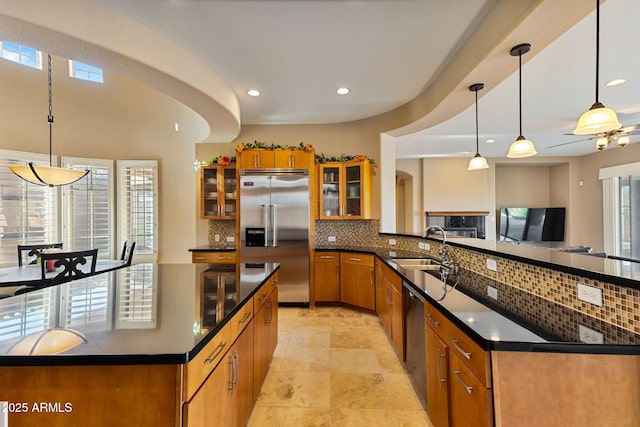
215, 353
236, 369
246, 316
435, 322
440, 380
466, 387
464, 353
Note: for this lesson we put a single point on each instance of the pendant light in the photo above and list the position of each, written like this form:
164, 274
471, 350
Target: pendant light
477, 162
521, 147
598, 119
48, 175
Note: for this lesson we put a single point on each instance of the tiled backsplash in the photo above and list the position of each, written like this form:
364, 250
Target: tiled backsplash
621, 305
222, 228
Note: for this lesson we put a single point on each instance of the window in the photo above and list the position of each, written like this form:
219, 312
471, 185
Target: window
28, 213
137, 206
82, 71
22, 55
87, 208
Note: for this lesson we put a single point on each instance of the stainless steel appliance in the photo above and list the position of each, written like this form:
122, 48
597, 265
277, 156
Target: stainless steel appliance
274, 226
415, 342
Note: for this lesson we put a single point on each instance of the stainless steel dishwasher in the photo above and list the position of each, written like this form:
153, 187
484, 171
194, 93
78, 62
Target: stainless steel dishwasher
415, 350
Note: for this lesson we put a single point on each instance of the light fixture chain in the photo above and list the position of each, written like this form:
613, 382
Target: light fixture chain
597, 48
50, 117
477, 146
520, 89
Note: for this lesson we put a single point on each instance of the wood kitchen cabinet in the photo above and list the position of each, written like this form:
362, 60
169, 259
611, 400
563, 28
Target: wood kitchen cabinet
345, 190
327, 276
356, 280
458, 375
389, 305
218, 192
252, 158
265, 332
214, 257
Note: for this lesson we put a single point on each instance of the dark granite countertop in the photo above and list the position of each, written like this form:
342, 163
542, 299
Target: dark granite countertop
142, 314
517, 321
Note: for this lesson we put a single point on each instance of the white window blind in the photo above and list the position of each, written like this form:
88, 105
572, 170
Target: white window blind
24, 315
28, 212
137, 297
138, 206
87, 208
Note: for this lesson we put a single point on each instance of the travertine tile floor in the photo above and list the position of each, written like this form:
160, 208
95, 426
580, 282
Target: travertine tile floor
335, 367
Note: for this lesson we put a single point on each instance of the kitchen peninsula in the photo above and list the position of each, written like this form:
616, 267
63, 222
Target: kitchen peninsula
162, 344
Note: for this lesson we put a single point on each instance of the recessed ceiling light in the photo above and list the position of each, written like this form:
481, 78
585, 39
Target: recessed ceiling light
615, 82
342, 90
490, 141
253, 92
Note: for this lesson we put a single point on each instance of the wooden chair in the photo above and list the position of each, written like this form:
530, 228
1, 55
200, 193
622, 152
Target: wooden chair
34, 251
70, 263
127, 251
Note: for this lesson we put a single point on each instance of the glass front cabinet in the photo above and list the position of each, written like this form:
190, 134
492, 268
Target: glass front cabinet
345, 190
218, 194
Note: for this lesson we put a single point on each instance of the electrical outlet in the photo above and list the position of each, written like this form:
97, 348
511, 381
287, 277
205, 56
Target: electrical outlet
492, 264
392, 253
590, 294
332, 238
420, 245
216, 237
492, 292
589, 336
427, 246
231, 239
392, 242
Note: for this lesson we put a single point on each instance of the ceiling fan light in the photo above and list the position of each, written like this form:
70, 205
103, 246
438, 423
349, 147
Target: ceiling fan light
623, 140
597, 120
477, 163
521, 147
48, 175
601, 143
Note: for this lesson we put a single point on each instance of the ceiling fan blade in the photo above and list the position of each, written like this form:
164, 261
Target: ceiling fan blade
630, 129
570, 142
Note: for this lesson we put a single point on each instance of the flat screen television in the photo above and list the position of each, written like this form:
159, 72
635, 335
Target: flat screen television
532, 224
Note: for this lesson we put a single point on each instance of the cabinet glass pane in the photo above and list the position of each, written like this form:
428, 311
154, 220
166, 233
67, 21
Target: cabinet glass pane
353, 187
210, 192
209, 300
330, 191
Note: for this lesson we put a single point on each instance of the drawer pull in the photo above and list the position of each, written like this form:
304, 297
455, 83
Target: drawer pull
466, 387
263, 296
464, 353
215, 353
355, 259
200, 257
435, 322
246, 316
326, 257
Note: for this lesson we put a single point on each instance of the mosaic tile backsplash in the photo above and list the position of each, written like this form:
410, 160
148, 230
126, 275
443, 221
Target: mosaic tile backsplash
224, 229
621, 305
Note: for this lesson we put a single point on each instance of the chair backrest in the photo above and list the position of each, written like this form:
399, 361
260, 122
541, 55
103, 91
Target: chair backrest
69, 265
34, 251
127, 251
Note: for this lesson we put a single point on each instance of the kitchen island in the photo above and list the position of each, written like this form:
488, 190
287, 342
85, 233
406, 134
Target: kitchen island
155, 341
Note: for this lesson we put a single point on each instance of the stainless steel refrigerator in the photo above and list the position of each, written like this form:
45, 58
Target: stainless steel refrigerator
274, 226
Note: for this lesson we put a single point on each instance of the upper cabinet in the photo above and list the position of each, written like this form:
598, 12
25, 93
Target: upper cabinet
345, 190
275, 158
218, 192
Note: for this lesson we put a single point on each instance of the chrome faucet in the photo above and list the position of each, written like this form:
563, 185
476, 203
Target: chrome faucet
448, 266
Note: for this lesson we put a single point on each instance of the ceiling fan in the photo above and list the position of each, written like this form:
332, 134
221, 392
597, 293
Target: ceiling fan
619, 136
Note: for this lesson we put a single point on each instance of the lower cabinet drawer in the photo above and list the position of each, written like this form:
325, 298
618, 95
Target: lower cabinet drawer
240, 320
197, 370
262, 295
470, 401
214, 257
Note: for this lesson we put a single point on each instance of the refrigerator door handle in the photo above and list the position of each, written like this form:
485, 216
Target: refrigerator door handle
265, 212
274, 224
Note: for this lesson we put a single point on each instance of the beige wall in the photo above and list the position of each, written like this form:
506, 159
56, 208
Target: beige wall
119, 119
411, 171
448, 186
522, 186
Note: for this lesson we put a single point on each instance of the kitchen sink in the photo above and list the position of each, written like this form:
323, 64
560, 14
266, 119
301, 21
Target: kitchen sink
417, 263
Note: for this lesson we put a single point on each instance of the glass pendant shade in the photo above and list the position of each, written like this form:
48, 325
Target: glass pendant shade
521, 147
48, 175
477, 163
598, 119
51, 341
